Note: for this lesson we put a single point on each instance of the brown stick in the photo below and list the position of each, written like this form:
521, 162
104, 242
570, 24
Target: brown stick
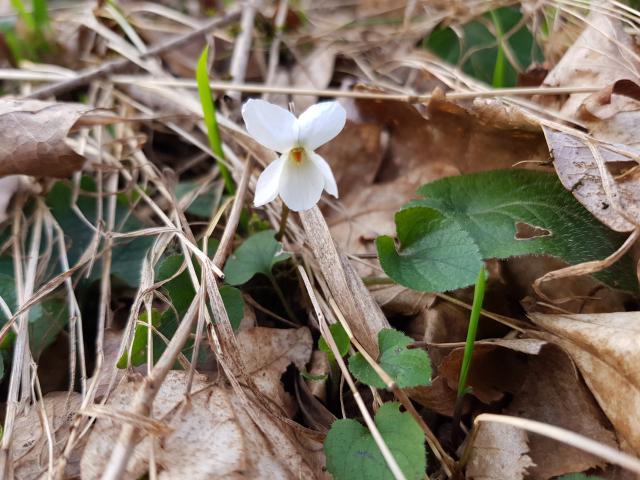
114, 66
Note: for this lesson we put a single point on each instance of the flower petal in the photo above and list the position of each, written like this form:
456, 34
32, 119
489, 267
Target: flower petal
270, 125
301, 185
320, 123
269, 182
329, 180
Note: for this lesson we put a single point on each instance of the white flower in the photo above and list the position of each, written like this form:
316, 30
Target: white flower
300, 174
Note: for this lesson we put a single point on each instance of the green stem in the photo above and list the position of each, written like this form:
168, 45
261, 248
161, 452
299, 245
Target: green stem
284, 216
478, 297
498, 72
283, 300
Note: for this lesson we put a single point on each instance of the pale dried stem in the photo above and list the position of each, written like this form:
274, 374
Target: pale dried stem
274, 51
143, 399
242, 45
19, 383
375, 433
234, 217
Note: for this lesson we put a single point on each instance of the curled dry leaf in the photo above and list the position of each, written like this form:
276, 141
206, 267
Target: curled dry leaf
30, 444
499, 451
33, 137
602, 54
579, 173
554, 393
219, 434
606, 349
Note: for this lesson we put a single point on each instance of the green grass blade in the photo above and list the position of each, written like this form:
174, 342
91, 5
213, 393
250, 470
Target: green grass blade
498, 71
478, 297
209, 112
40, 14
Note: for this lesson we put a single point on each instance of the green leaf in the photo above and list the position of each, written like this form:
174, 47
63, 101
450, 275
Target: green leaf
340, 336
204, 204
46, 319
127, 254
140, 340
257, 254
477, 51
500, 214
182, 293
407, 367
352, 453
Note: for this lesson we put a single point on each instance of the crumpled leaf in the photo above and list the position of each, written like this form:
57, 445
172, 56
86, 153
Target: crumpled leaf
498, 452
554, 393
352, 454
579, 173
33, 137
463, 220
257, 254
606, 349
407, 367
602, 54
229, 442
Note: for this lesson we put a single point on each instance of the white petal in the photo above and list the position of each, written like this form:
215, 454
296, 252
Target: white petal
301, 185
270, 125
269, 182
320, 123
329, 180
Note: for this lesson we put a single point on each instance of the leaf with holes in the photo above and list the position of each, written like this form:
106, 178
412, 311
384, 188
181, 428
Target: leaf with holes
407, 367
504, 213
352, 453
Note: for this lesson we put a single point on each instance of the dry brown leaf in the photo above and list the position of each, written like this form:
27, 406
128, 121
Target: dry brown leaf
217, 421
399, 300
579, 173
488, 358
33, 137
498, 452
553, 393
268, 351
606, 349
211, 436
602, 54
30, 444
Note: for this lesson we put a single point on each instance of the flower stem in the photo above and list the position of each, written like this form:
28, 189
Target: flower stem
283, 222
283, 300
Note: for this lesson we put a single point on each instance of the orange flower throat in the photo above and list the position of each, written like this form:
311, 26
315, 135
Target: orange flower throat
296, 155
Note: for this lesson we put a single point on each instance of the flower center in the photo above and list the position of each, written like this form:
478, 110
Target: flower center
296, 154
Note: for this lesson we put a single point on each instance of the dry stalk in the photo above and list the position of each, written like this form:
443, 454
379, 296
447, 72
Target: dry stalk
363, 315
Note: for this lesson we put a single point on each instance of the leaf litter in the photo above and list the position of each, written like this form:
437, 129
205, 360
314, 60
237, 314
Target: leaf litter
240, 389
